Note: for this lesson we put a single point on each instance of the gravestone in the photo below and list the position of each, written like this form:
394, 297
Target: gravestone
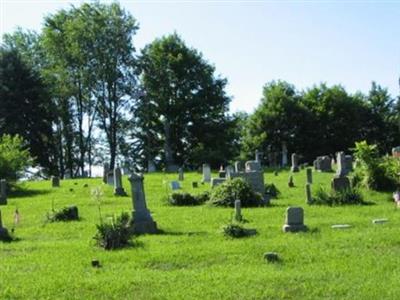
106, 170
294, 220
3, 231
239, 166
229, 170
341, 226
55, 181
222, 172
341, 165
290, 182
340, 183
118, 188
180, 174
379, 221
206, 173
309, 175
252, 165
284, 160
258, 156
295, 161
217, 181
151, 167
308, 193
195, 184
110, 178
142, 220
396, 151
238, 212
348, 161
175, 185
3, 192
323, 164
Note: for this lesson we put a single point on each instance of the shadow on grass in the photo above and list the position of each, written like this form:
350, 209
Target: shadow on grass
179, 233
24, 192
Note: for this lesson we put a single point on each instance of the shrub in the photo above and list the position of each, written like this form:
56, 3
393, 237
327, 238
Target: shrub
231, 190
237, 231
344, 197
272, 190
186, 199
69, 213
115, 234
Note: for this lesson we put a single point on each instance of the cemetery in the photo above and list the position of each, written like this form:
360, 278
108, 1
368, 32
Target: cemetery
155, 150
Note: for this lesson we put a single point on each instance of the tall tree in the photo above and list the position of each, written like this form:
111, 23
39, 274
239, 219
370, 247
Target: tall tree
184, 106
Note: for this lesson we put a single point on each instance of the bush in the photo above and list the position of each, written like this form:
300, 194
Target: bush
373, 172
231, 190
115, 234
69, 213
186, 199
14, 158
237, 231
344, 197
272, 190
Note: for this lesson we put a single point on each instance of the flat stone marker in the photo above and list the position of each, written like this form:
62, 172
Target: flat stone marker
380, 221
142, 220
294, 220
3, 192
175, 185
341, 226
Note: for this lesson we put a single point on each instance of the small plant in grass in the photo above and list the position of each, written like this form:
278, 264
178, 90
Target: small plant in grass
344, 197
183, 199
234, 230
97, 196
114, 234
226, 194
271, 190
69, 213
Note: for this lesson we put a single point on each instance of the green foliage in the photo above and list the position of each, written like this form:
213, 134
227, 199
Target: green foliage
272, 190
333, 198
69, 213
14, 157
237, 231
114, 234
186, 199
374, 172
231, 190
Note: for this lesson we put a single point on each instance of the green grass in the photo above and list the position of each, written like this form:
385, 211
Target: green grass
192, 259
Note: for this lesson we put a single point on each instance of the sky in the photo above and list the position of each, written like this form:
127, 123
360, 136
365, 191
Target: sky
250, 43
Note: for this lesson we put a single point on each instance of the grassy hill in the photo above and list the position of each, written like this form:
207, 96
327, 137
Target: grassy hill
192, 259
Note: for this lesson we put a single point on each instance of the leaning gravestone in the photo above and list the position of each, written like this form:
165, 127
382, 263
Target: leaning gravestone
294, 220
55, 181
3, 192
206, 173
295, 161
180, 174
340, 181
142, 220
118, 188
309, 175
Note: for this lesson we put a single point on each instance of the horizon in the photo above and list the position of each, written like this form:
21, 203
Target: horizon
281, 38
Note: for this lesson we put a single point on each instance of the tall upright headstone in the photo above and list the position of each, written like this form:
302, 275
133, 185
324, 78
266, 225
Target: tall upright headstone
295, 163
238, 212
118, 188
180, 174
238, 166
341, 164
258, 156
151, 167
308, 193
106, 169
142, 220
229, 171
284, 161
3, 192
309, 175
55, 181
340, 181
294, 220
206, 173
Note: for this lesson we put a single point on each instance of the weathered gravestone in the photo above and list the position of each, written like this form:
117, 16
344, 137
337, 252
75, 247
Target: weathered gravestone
239, 167
222, 172
258, 156
110, 178
252, 165
55, 181
175, 185
348, 163
295, 161
118, 188
142, 220
340, 181
206, 173
309, 175
180, 174
294, 220
323, 164
217, 181
308, 193
3, 192
238, 212
106, 170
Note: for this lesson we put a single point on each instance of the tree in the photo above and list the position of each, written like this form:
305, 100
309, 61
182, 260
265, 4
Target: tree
183, 110
26, 108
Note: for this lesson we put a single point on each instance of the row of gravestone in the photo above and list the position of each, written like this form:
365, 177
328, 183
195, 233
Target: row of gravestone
324, 163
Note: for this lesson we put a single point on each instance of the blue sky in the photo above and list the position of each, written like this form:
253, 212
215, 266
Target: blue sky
252, 42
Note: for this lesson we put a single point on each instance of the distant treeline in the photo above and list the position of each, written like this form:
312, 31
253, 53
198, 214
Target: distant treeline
80, 94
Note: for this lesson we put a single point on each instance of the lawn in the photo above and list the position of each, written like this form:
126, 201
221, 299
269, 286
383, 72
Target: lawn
192, 259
